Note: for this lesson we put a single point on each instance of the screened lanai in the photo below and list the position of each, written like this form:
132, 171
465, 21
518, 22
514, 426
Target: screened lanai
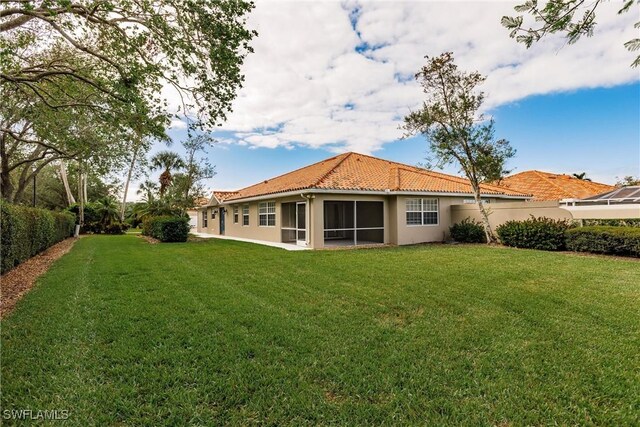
353, 223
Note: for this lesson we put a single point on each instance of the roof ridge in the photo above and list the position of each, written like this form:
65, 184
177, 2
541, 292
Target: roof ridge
460, 180
553, 184
324, 176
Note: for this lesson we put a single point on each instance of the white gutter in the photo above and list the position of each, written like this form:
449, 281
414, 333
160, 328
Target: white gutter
364, 192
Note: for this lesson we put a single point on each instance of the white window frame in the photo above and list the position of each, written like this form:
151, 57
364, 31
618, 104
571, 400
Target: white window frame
205, 220
245, 215
423, 210
236, 214
267, 210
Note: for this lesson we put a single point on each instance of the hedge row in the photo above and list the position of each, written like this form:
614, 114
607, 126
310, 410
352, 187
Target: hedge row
610, 240
631, 222
534, 233
28, 231
167, 228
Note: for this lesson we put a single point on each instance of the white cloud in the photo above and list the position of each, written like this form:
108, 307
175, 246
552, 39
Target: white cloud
316, 81
177, 124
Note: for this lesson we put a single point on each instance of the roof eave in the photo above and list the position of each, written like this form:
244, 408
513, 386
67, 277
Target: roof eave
369, 192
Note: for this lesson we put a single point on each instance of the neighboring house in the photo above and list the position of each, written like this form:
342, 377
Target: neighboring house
350, 199
621, 202
551, 186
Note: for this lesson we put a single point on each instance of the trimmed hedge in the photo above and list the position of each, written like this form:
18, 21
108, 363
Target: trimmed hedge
167, 228
28, 231
609, 240
468, 231
534, 233
631, 222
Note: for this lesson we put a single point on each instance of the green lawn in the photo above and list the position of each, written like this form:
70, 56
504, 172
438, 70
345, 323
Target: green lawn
121, 332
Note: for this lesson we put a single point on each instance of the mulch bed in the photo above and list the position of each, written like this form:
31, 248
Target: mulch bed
149, 239
17, 282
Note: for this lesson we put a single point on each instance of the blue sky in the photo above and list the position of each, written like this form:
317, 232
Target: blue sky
592, 130
334, 76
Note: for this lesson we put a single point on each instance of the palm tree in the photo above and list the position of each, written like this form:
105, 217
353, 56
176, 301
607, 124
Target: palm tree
108, 210
148, 189
581, 176
166, 161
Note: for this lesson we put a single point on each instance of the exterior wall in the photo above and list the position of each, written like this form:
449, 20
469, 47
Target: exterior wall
499, 213
212, 224
396, 231
254, 230
412, 234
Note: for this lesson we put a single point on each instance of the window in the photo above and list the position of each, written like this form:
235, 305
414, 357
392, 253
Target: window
235, 215
204, 218
213, 214
245, 215
267, 214
422, 211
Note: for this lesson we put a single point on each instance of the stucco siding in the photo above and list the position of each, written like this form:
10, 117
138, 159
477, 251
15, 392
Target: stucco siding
499, 213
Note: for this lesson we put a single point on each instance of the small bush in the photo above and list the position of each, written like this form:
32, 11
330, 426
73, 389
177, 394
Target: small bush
468, 231
609, 240
167, 228
26, 232
534, 233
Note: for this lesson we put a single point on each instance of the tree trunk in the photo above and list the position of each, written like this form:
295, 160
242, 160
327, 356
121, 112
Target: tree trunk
484, 215
65, 182
6, 187
84, 186
128, 181
80, 198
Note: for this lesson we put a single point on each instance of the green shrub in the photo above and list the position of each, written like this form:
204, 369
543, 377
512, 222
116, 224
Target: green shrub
28, 231
468, 231
116, 228
610, 240
630, 222
91, 214
534, 233
167, 228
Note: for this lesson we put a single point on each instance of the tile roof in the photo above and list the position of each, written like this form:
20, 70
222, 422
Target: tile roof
221, 196
551, 186
353, 171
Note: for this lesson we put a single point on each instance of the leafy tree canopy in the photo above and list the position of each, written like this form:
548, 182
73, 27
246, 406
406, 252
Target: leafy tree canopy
128, 50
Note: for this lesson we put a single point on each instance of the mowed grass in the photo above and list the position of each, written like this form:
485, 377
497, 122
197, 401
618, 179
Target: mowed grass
121, 332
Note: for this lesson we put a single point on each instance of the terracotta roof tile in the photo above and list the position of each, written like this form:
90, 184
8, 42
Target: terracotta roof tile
551, 186
224, 195
353, 171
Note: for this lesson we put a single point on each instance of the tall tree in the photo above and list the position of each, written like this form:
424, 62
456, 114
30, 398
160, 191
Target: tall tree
457, 133
148, 190
197, 167
574, 18
128, 50
166, 161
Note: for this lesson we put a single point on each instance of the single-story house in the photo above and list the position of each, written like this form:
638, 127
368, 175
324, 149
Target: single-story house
551, 186
350, 199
